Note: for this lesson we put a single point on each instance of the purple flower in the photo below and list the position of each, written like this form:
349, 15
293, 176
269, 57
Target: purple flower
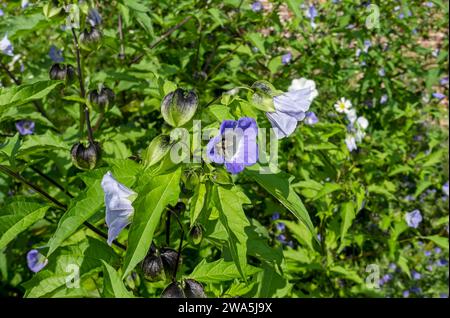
25, 127
444, 81
442, 262
367, 45
55, 54
427, 253
416, 275
36, 261
438, 95
392, 266
429, 4
275, 216
291, 106
24, 4
409, 197
6, 46
406, 294
445, 188
443, 295
119, 210
1, 13
281, 238
386, 278
311, 118
235, 146
430, 268
381, 72
257, 6
311, 13
286, 58
281, 226
437, 250
94, 17
413, 218
358, 52
416, 290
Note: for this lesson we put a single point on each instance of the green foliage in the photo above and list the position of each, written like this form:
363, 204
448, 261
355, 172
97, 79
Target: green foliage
312, 223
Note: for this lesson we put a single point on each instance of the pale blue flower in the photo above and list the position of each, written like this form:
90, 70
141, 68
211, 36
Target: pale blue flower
438, 95
416, 275
119, 209
311, 118
444, 81
236, 145
406, 294
350, 142
275, 216
1, 13
36, 261
383, 99
286, 58
94, 17
55, 54
25, 127
311, 14
24, 4
6, 46
257, 6
413, 218
381, 72
291, 106
280, 226
445, 188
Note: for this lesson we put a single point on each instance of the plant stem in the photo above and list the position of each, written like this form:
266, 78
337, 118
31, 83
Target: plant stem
52, 181
137, 58
122, 48
168, 229
11, 75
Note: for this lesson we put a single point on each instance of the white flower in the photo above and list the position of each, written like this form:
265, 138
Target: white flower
343, 105
6, 46
351, 115
359, 135
118, 206
362, 122
303, 83
24, 4
350, 141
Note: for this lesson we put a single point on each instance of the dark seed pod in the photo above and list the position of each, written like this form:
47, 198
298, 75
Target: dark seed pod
153, 268
62, 72
193, 289
174, 290
169, 260
90, 38
196, 234
179, 106
102, 97
179, 208
86, 158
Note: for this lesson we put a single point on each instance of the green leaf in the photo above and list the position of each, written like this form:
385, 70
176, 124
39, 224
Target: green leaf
232, 216
153, 198
347, 273
80, 210
25, 93
198, 202
258, 41
113, 286
347, 217
279, 185
84, 257
327, 189
438, 240
219, 271
42, 143
17, 217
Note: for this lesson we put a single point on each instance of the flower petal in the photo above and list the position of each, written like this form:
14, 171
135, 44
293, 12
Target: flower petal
283, 124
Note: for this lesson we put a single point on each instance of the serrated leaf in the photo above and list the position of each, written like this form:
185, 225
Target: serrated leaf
198, 202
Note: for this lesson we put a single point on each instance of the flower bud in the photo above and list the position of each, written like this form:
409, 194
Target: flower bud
90, 39
102, 97
193, 289
157, 149
190, 180
152, 267
179, 106
169, 260
86, 158
196, 234
262, 96
220, 176
62, 72
174, 290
